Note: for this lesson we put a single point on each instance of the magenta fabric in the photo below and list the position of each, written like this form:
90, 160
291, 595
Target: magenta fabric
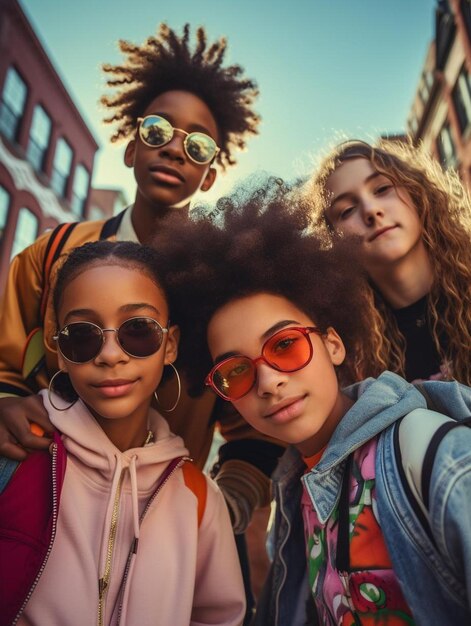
26, 523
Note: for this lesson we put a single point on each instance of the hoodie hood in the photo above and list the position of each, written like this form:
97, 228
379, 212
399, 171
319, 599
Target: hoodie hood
86, 441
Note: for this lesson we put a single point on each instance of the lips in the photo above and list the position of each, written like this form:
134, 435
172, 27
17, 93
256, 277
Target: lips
166, 174
381, 231
286, 410
115, 387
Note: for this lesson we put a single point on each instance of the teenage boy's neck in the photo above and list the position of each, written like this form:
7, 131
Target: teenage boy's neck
147, 220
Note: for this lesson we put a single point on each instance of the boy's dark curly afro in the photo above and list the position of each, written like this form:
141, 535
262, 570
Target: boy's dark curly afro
166, 62
263, 245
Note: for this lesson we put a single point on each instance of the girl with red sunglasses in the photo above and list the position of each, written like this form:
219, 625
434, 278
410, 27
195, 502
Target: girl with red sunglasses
114, 524
279, 320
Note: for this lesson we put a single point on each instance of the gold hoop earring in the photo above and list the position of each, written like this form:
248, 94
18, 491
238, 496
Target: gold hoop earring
179, 392
50, 390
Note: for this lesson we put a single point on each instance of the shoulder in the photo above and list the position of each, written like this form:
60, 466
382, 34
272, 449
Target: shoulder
197, 483
82, 232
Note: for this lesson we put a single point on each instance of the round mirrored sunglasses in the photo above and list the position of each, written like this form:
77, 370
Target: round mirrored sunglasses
155, 131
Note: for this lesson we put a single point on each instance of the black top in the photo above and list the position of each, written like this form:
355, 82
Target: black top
422, 359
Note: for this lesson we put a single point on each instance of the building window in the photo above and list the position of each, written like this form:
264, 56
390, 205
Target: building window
26, 231
445, 29
446, 147
428, 76
80, 191
39, 138
423, 90
4, 208
425, 86
61, 167
12, 104
462, 99
413, 125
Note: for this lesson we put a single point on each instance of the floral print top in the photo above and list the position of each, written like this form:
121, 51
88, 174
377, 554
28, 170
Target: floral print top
370, 594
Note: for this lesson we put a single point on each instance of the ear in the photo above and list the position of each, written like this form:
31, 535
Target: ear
171, 345
334, 346
210, 177
129, 153
61, 362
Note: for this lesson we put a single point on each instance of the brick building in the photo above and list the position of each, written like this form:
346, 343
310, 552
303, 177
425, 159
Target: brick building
47, 150
440, 116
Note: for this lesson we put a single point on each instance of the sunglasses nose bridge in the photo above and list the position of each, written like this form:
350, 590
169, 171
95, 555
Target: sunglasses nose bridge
106, 344
268, 378
177, 140
261, 359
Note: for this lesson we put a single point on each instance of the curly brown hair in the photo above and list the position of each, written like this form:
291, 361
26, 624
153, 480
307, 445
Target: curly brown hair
166, 62
444, 208
263, 244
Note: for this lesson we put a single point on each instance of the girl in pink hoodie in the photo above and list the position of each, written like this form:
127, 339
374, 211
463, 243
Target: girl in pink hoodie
127, 531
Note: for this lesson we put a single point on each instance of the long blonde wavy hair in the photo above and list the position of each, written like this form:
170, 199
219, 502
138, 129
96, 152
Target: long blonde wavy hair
444, 207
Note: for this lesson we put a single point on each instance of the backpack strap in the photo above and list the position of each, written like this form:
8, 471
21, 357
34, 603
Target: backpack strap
418, 435
33, 358
54, 248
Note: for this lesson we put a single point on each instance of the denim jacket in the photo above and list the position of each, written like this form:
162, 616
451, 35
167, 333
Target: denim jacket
433, 568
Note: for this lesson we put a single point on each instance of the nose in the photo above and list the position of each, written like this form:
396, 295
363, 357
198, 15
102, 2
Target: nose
111, 352
269, 380
174, 149
371, 210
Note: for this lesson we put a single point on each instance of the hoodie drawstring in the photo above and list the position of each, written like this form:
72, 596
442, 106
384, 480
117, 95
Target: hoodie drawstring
166, 474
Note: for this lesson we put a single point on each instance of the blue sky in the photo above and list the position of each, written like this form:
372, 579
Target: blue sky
327, 69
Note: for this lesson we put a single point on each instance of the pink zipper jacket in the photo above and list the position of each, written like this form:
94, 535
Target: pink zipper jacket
127, 546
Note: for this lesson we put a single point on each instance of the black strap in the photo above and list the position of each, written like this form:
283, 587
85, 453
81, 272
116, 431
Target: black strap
13, 390
110, 227
342, 557
263, 455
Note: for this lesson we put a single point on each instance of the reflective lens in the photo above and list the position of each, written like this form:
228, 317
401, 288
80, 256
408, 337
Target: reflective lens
156, 131
139, 337
288, 350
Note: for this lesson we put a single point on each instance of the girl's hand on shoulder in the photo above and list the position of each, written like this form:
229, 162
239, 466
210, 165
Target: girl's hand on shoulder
21, 422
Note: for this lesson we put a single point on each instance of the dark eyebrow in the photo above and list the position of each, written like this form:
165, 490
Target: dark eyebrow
268, 333
278, 326
135, 306
192, 128
349, 194
126, 308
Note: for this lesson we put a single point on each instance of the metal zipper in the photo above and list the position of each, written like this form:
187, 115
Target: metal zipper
53, 447
104, 581
281, 547
134, 543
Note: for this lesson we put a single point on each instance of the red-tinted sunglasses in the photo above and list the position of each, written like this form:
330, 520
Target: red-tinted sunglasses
288, 350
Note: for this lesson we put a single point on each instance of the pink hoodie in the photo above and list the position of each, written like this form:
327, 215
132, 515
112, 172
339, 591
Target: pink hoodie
182, 574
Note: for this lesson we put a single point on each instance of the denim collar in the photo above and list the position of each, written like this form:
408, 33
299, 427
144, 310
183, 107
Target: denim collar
379, 403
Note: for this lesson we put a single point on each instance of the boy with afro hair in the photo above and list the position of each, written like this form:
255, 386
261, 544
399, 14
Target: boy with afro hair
182, 112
